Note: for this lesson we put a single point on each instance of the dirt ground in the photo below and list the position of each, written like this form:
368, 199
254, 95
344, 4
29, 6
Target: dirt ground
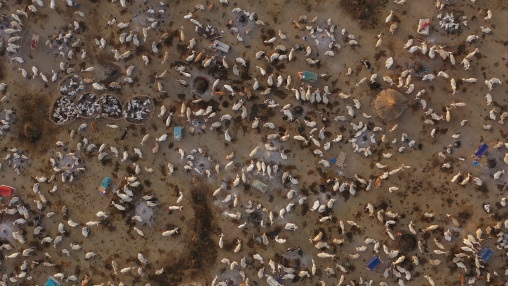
426, 195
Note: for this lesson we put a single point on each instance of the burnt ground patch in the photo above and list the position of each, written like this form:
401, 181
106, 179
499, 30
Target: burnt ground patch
362, 11
35, 131
201, 250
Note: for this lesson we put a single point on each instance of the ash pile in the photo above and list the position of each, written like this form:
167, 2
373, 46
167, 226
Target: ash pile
16, 160
69, 165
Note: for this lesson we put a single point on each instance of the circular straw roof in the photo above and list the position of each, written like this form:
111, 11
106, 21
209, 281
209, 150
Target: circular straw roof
390, 104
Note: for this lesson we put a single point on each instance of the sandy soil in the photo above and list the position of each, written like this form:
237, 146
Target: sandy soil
193, 254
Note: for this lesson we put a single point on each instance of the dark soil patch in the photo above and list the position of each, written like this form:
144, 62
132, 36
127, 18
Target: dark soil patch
35, 126
201, 248
200, 84
407, 242
203, 251
361, 11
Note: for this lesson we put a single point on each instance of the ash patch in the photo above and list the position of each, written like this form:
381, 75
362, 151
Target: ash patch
144, 211
6, 230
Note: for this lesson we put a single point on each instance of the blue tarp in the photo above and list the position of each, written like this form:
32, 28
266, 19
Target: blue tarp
104, 185
105, 182
178, 133
52, 282
486, 254
481, 150
373, 263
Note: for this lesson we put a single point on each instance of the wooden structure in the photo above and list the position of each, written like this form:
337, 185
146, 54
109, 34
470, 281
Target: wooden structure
341, 159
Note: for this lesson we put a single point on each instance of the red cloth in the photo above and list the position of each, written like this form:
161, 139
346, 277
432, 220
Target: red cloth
6, 191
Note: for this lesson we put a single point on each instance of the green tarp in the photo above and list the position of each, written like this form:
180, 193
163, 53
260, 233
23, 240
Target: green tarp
308, 76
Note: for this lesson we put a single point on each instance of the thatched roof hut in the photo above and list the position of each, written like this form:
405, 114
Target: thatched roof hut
390, 104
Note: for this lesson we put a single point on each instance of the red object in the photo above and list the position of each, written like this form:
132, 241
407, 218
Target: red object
33, 43
425, 25
6, 191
